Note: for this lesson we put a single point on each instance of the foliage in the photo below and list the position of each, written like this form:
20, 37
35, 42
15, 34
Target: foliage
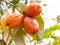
1, 10
0, 31
48, 31
41, 24
57, 41
44, 5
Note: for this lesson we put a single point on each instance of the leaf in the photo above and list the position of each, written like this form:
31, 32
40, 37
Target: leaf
3, 23
56, 41
41, 28
0, 31
22, 7
25, 1
39, 35
13, 9
48, 31
35, 37
14, 1
58, 18
1, 11
19, 37
44, 4
49, 43
10, 40
0, 1
6, 35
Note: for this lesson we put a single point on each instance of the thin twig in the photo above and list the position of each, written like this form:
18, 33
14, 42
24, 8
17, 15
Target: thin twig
13, 6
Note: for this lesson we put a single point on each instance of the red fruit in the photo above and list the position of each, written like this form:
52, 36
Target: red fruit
31, 26
33, 10
14, 20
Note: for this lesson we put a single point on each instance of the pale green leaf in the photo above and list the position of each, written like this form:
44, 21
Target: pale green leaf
22, 7
44, 4
39, 35
48, 31
35, 37
57, 41
0, 31
20, 37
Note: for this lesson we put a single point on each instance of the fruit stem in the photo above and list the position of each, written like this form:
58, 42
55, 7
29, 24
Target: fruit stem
13, 5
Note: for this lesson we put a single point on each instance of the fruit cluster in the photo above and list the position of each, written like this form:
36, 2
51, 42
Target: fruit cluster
30, 24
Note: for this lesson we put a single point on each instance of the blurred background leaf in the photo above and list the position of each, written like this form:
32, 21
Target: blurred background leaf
14, 1
44, 4
57, 41
0, 1
18, 37
1, 11
0, 31
48, 31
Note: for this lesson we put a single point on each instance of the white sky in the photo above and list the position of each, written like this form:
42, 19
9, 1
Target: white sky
51, 11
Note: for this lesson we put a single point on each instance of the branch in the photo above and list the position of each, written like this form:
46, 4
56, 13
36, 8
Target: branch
13, 5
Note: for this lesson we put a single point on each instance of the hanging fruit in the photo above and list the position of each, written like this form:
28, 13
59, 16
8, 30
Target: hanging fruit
30, 25
33, 10
14, 20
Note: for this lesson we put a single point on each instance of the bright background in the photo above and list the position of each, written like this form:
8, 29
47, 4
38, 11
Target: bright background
52, 10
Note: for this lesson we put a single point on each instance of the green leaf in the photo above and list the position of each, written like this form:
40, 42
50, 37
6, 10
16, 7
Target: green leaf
0, 1
6, 35
44, 4
22, 7
13, 9
14, 1
57, 41
39, 35
48, 31
25, 1
35, 37
0, 31
1, 11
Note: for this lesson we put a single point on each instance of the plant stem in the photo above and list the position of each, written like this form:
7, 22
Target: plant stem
12, 5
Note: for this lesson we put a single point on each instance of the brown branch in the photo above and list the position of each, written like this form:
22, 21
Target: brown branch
12, 5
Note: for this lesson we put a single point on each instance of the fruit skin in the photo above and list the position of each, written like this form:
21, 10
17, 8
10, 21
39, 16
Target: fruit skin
14, 20
31, 26
33, 10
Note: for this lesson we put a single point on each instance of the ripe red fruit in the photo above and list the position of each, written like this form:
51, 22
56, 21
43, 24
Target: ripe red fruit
14, 20
31, 26
33, 10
